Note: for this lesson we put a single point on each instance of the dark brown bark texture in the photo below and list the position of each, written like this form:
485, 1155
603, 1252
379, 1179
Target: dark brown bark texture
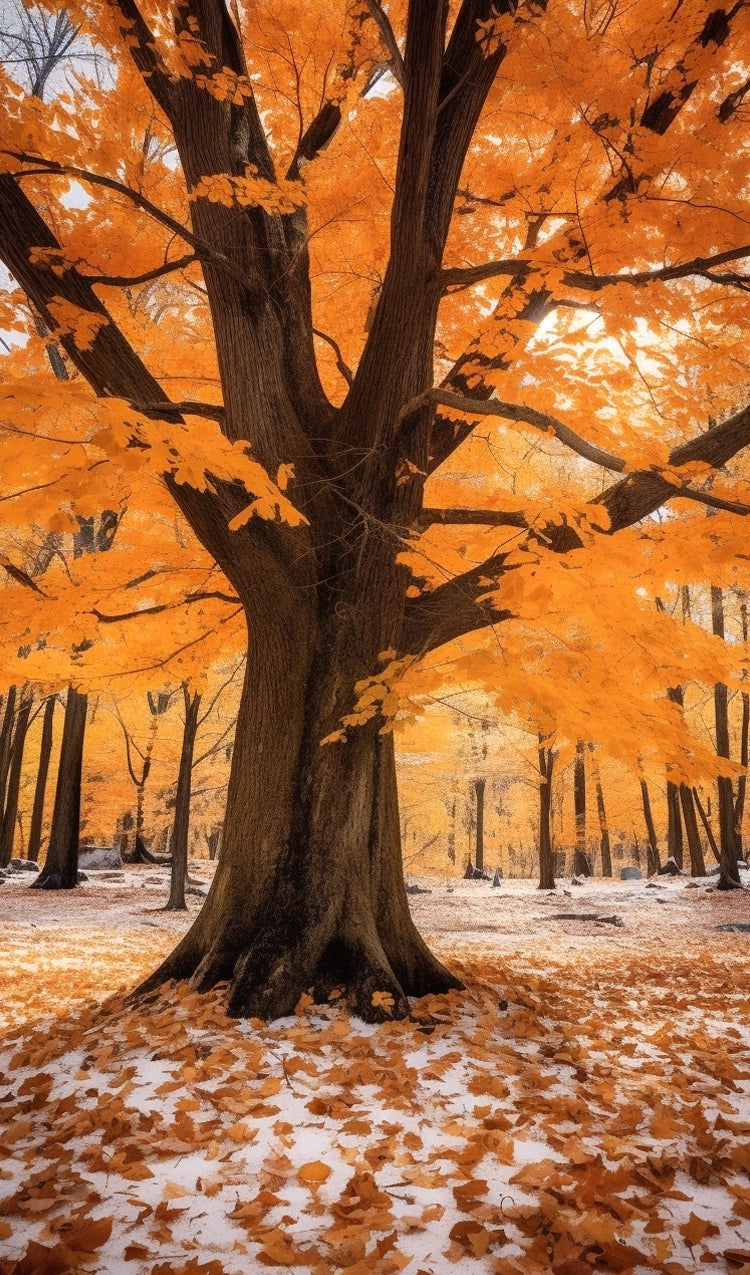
40, 787
729, 878
309, 887
546, 856
479, 789
652, 846
10, 809
181, 826
60, 871
581, 864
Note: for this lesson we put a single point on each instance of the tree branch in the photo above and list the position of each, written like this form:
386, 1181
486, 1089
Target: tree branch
203, 249
378, 14
582, 281
518, 412
459, 607
212, 411
103, 618
473, 518
130, 281
343, 367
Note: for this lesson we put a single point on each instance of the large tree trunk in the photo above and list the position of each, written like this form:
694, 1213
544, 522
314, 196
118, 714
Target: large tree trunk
728, 875
546, 856
581, 865
40, 789
479, 789
739, 804
181, 828
60, 871
6, 740
309, 890
10, 811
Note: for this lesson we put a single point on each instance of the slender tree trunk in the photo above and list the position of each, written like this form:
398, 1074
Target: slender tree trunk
729, 874
60, 871
40, 790
214, 841
706, 826
604, 844
479, 788
739, 805
652, 848
546, 856
674, 824
10, 812
6, 740
697, 862
581, 865
181, 828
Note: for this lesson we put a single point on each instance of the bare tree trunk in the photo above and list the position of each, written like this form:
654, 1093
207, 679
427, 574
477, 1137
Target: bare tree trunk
604, 844
729, 874
581, 865
546, 856
652, 848
181, 827
739, 805
674, 824
40, 789
697, 862
10, 811
707, 826
479, 789
60, 871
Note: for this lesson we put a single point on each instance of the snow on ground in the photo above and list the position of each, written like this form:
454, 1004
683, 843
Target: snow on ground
583, 1105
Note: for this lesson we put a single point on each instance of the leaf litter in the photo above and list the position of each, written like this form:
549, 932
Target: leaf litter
583, 1106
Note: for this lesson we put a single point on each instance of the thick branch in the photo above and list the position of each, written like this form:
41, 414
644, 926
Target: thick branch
211, 411
456, 608
473, 518
582, 281
518, 412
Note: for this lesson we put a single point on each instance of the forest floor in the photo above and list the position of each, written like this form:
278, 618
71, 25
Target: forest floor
583, 1106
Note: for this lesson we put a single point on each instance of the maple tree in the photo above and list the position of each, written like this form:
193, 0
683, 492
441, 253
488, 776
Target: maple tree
488, 212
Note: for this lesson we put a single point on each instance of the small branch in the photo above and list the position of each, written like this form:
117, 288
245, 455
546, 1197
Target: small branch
343, 367
20, 576
713, 502
203, 249
379, 16
212, 411
125, 281
517, 412
103, 618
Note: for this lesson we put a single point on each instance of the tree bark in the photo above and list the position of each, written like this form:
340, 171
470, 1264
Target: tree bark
697, 862
181, 827
10, 811
652, 848
729, 873
581, 865
479, 789
739, 804
707, 826
604, 844
40, 789
60, 871
674, 824
546, 856
6, 740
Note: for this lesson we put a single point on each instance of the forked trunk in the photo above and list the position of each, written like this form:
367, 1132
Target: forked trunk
309, 891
